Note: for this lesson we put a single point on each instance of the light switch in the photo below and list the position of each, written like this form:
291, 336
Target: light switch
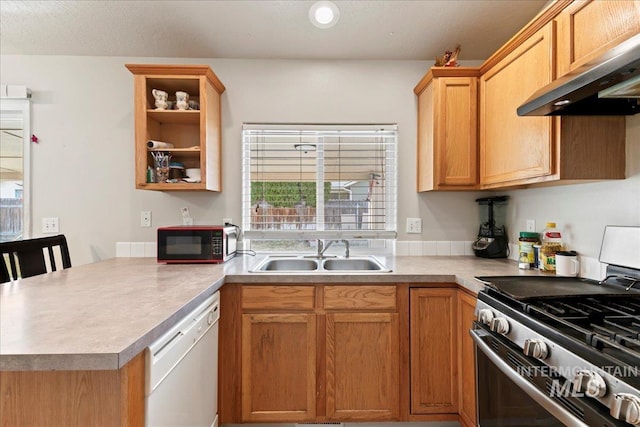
50, 225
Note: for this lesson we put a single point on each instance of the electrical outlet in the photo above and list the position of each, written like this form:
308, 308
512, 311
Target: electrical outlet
145, 219
186, 216
531, 225
227, 221
414, 225
50, 225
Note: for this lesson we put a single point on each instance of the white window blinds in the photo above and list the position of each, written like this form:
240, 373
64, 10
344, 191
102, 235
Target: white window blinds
319, 181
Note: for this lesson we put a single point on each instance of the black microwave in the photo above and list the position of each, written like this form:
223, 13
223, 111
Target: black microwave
197, 243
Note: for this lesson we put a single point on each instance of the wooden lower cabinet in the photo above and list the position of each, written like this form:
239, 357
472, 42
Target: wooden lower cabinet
278, 366
466, 360
311, 354
433, 353
345, 353
113, 398
362, 366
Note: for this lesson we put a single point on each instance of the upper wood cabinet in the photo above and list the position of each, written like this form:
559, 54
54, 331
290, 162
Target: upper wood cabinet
448, 129
588, 28
516, 151
194, 133
516, 148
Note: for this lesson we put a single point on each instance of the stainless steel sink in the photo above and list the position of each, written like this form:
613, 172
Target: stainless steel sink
367, 264
288, 264
299, 264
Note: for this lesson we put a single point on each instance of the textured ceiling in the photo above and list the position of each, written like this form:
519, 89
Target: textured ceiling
392, 29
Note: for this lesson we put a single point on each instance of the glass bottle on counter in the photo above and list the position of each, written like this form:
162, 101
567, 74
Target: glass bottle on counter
526, 259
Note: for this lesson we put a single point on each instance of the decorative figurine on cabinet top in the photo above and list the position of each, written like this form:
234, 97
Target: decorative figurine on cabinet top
449, 59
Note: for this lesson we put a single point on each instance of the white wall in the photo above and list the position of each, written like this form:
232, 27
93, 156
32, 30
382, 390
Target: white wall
82, 113
82, 169
583, 210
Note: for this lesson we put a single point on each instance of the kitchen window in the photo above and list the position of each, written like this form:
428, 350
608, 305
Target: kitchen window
308, 182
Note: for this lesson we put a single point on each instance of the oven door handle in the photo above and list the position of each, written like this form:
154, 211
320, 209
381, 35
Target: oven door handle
542, 399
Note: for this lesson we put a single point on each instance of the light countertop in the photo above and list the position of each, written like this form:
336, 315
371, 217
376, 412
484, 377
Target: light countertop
99, 316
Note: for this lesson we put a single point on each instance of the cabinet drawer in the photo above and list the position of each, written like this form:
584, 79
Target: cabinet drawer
360, 297
278, 297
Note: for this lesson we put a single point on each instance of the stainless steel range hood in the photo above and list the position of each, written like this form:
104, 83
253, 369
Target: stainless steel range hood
608, 85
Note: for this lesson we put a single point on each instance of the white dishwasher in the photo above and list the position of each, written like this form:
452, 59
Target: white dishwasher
182, 371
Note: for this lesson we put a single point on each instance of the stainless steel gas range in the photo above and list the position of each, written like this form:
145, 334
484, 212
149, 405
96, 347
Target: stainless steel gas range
555, 351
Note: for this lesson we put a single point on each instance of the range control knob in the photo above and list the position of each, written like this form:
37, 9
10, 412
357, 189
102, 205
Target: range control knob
500, 325
485, 316
535, 348
589, 383
626, 407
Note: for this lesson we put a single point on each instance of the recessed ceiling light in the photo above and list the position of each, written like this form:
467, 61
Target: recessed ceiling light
324, 14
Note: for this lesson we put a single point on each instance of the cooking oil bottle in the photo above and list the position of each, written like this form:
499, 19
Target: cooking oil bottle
551, 243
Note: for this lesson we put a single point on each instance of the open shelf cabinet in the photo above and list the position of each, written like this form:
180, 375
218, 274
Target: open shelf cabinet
194, 133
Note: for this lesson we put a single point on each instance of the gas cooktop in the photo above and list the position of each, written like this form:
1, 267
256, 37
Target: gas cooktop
531, 287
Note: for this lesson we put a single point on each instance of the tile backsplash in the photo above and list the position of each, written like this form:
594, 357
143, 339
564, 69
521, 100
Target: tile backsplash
136, 250
433, 248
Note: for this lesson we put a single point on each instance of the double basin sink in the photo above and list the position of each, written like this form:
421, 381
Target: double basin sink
297, 264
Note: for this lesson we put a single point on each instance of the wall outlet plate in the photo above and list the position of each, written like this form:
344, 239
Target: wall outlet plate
145, 219
50, 225
414, 225
531, 225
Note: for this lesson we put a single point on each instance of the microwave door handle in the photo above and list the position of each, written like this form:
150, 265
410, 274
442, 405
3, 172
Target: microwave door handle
542, 399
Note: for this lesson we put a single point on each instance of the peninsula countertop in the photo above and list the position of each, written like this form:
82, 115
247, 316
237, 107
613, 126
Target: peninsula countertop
99, 316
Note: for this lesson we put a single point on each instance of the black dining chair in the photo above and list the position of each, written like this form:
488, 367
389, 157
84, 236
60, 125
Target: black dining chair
26, 258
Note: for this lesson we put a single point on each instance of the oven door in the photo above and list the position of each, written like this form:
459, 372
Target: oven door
505, 396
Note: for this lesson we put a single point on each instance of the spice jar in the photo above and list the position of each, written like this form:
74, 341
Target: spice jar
526, 257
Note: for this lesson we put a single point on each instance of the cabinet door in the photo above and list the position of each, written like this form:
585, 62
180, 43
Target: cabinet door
514, 148
362, 366
426, 141
456, 131
448, 132
433, 353
587, 29
467, 363
278, 367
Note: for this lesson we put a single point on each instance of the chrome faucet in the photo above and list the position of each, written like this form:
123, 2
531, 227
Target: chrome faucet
322, 247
